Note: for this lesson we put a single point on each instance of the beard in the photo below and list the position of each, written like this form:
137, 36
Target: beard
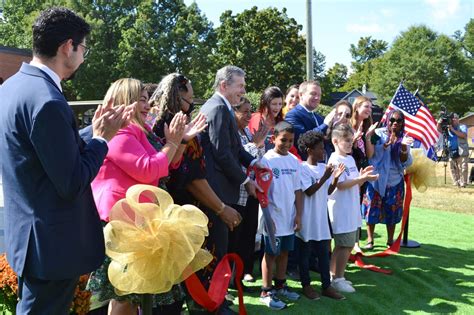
71, 76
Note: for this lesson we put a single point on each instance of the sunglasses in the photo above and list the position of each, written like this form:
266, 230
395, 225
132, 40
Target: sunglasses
182, 81
347, 115
393, 120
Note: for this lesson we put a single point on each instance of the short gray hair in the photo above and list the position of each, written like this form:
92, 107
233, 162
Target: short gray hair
227, 74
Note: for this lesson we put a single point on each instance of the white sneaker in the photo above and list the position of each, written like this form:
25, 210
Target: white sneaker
272, 301
341, 285
347, 281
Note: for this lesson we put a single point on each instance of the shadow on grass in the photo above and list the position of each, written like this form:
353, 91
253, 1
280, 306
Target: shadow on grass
431, 279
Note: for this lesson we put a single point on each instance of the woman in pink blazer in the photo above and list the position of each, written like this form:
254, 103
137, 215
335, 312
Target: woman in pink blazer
135, 156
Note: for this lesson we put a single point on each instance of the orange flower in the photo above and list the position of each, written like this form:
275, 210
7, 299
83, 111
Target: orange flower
9, 287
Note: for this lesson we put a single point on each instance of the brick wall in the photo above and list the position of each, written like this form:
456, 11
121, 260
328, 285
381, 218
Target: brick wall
10, 61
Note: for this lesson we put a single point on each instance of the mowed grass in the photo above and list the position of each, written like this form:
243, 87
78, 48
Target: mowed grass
446, 197
438, 277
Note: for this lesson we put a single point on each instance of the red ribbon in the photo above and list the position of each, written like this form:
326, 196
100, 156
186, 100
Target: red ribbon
395, 247
213, 298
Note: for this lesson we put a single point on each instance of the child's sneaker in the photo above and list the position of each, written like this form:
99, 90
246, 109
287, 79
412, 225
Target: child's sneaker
270, 300
341, 285
285, 292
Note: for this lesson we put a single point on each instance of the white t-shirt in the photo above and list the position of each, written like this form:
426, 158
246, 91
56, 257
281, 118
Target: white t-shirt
286, 171
344, 205
314, 220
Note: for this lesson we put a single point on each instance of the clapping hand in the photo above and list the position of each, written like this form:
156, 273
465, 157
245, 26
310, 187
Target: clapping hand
328, 171
407, 140
359, 133
108, 120
337, 171
367, 173
371, 130
196, 126
175, 131
329, 119
391, 140
260, 135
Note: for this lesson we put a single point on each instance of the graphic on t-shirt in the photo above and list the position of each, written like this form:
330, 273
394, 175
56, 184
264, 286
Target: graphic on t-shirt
276, 172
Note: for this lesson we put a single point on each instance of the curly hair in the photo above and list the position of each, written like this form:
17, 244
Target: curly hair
167, 98
309, 140
53, 27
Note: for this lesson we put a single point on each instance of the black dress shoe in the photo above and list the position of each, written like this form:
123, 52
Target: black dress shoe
225, 309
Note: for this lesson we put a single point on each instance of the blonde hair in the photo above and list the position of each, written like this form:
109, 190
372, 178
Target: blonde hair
359, 100
125, 91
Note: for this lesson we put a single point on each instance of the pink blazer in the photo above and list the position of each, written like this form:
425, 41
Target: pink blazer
131, 160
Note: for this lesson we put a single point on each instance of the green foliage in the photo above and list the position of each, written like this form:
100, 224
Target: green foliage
323, 110
145, 39
334, 80
265, 43
254, 98
366, 49
319, 64
432, 63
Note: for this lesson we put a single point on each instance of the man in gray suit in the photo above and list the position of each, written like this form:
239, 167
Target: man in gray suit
225, 154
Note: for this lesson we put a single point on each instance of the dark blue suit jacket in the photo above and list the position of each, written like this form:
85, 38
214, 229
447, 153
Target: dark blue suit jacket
52, 228
223, 151
303, 121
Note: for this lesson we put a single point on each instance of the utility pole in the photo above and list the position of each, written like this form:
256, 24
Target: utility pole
309, 43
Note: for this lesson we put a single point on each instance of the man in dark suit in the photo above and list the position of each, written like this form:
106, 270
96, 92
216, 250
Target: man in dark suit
225, 154
52, 230
302, 117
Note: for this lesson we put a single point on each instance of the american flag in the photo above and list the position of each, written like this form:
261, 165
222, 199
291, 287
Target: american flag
419, 123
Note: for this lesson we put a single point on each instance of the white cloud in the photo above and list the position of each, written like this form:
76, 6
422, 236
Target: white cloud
387, 12
364, 28
443, 9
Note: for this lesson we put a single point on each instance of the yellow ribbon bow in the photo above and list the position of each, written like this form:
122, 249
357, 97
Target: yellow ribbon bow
152, 242
422, 170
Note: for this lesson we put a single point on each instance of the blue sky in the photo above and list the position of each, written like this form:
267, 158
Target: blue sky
339, 23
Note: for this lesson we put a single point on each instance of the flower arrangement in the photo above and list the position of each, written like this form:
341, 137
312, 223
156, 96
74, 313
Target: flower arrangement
9, 287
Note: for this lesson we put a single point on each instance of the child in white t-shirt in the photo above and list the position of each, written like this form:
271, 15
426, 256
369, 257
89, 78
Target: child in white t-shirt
285, 204
344, 205
315, 234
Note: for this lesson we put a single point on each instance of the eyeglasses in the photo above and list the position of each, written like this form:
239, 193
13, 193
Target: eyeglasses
86, 50
399, 120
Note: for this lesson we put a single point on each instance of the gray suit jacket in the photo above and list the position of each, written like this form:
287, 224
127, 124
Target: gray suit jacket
223, 150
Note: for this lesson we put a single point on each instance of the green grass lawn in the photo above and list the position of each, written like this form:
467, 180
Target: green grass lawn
438, 277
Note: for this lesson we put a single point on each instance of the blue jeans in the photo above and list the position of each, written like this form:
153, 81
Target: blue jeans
321, 249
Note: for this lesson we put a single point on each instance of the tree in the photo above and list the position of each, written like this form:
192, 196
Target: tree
319, 64
366, 49
333, 81
427, 61
265, 43
146, 39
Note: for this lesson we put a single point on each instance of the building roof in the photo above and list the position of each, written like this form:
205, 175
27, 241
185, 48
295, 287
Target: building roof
15, 51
